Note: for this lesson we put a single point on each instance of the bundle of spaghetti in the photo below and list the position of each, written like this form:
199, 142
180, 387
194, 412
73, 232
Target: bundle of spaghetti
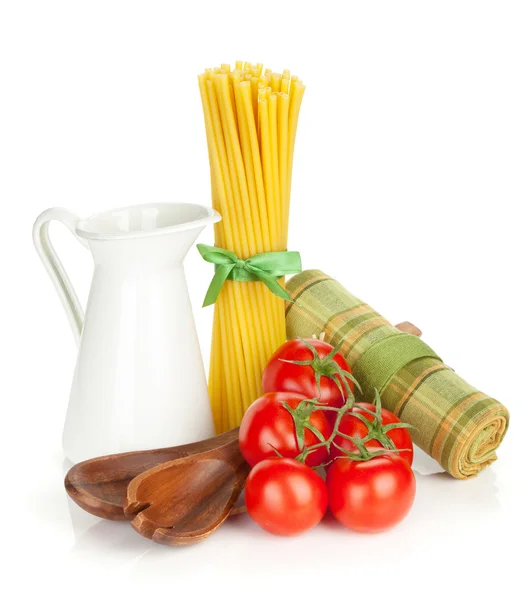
251, 119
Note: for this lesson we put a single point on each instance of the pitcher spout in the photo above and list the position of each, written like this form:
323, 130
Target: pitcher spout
147, 233
146, 220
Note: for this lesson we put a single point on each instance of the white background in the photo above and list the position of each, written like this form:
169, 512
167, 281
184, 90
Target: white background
412, 186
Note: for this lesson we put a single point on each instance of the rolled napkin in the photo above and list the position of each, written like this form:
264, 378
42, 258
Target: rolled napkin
455, 423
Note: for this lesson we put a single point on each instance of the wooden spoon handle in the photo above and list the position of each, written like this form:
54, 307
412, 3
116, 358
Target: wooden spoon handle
407, 327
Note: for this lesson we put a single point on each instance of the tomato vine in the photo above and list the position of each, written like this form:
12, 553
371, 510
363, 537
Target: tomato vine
327, 367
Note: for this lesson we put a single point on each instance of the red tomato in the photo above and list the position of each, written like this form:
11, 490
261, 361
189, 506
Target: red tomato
372, 495
284, 496
267, 424
354, 427
282, 376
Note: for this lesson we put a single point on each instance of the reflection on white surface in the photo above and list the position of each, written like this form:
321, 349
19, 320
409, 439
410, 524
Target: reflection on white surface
445, 509
114, 543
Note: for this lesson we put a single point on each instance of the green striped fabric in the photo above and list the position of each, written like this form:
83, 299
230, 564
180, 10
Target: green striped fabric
455, 423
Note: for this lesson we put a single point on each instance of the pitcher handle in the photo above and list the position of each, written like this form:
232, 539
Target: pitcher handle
52, 264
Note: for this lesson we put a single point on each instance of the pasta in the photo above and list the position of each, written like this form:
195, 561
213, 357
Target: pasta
251, 117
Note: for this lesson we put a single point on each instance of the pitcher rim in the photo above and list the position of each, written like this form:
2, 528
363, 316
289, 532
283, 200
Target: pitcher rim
211, 216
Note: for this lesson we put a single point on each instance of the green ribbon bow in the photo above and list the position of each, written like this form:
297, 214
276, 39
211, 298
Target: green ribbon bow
266, 267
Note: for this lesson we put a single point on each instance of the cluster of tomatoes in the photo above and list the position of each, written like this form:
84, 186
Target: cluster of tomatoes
308, 419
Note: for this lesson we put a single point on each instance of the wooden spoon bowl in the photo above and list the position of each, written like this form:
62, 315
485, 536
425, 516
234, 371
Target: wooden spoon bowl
183, 501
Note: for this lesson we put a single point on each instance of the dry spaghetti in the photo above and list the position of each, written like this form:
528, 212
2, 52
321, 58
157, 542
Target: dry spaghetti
251, 119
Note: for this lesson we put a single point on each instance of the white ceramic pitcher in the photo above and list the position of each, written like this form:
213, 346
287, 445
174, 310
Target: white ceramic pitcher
139, 381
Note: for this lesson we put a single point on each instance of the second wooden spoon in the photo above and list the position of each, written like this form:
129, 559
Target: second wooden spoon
184, 500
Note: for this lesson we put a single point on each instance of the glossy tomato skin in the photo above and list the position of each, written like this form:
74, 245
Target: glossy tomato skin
372, 495
284, 496
267, 425
280, 376
354, 427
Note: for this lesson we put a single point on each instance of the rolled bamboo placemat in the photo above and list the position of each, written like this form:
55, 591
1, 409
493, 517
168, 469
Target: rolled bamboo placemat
455, 423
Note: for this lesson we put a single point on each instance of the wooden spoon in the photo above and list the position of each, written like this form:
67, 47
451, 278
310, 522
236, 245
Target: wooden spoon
99, 485
184, 500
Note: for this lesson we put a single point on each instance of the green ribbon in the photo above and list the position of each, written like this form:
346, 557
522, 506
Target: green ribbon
266, 267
